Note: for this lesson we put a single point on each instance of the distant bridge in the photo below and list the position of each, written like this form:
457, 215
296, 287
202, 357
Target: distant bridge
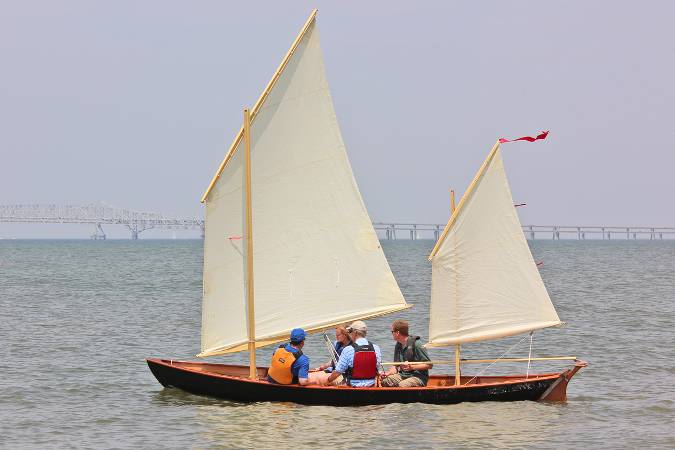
393, 231
100, 214
97, 215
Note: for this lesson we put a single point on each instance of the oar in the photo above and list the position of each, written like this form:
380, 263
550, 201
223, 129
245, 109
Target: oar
470, 361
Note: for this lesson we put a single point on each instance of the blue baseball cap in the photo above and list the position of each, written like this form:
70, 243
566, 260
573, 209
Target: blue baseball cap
297, 335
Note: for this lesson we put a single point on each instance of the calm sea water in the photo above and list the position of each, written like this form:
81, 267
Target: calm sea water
79, 317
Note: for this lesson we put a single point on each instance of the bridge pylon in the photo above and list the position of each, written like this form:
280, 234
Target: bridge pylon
99, 234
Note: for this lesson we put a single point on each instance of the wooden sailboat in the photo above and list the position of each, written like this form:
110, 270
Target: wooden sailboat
284, 206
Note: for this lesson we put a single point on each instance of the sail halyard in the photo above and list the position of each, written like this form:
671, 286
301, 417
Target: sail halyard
485, 284
318, 261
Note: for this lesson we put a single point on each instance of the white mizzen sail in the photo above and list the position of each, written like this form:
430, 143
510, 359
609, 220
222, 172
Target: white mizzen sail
317, 260
485, 283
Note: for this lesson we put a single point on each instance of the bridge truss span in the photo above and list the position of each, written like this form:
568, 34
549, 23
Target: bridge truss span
100, 214
392, 231
97, 215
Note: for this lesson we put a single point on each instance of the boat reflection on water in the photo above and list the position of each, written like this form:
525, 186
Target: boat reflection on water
504, 425
265, 424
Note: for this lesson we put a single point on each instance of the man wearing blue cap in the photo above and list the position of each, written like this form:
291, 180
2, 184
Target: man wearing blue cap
289, 364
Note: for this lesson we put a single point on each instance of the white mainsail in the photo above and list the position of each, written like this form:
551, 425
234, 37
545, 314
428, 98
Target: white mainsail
485, 283
317, 259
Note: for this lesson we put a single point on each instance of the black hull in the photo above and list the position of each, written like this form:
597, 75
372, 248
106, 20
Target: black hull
198, 378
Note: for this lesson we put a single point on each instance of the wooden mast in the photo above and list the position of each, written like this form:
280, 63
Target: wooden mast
458, 373
250, 316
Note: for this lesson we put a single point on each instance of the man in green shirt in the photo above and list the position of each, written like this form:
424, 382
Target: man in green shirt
408, 349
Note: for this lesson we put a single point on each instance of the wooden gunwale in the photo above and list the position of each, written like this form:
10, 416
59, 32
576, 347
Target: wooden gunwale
511, 379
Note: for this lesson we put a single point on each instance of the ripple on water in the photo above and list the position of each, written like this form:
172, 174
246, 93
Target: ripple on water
80, 317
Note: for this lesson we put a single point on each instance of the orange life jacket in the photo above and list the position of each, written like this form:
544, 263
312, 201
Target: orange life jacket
282, 362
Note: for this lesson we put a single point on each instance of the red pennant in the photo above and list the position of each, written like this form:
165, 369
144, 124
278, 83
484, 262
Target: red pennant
526, 138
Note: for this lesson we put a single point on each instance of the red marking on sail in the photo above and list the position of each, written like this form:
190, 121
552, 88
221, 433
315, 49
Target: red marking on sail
542, 135
234, 238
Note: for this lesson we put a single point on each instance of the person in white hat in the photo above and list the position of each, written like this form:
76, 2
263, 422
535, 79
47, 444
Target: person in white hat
359, 361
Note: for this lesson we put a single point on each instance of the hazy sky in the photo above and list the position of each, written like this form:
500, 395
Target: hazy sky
135, 102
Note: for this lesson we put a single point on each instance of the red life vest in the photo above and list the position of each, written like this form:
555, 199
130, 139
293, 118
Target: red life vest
365, 362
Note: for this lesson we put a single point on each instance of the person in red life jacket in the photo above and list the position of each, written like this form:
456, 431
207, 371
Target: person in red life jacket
289, 365
408, 349
358, 361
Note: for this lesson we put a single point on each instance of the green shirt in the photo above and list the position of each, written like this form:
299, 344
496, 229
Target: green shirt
419, 354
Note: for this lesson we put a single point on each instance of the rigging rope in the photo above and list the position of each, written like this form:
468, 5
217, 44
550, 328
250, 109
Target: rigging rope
493, 362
